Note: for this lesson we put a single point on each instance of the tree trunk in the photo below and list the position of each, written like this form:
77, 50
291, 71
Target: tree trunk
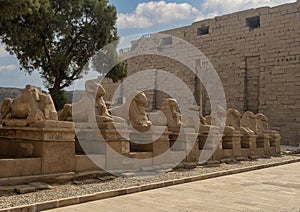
58, 96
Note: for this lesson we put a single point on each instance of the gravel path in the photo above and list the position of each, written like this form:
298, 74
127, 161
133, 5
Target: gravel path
69, 190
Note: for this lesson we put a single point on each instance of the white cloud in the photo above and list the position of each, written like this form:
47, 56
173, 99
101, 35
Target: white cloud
156, 14
3, 52
10, 67
221, 7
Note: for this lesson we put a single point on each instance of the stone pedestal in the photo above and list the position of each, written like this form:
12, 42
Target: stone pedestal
108, 140
52, 141
248, 145
263, 144
88, 142
231, 145
209, 143
156, 140
274, 144
186, 143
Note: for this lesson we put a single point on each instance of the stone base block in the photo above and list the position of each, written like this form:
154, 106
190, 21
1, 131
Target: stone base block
88, 147
89, 163
231, 145
20, 167
208, 142
36, 124
55, 146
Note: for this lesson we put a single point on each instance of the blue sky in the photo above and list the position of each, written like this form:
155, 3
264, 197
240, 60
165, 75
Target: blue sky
136, 17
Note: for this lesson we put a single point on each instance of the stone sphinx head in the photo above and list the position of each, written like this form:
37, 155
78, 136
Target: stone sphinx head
262, 121
248, 121
233, 118
141, 99
139, 119
170, 109
94, 88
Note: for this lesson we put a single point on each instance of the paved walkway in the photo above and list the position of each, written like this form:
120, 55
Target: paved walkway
273, 189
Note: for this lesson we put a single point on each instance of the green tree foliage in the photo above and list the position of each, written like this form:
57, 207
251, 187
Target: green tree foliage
57, 37
107, 61
13, 9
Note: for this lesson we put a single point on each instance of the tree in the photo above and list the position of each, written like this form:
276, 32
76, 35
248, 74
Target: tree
57, 37
13, 9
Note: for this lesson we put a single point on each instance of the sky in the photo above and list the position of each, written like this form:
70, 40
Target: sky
137, 17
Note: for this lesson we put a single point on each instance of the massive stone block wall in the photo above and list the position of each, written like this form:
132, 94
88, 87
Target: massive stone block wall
257, 56
142, 63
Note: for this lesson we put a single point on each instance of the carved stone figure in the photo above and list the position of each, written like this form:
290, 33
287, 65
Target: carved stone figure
234, 120
220, 120
170, 110
248, 122
48, 107
262, 124
31, 105
81, 110
5, 108
139, 119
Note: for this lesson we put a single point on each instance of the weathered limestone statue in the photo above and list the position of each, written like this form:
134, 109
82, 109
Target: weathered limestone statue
170, 110
205, 124
80, 111
262, 124
139, 119
31, 109
220, 120
248, 122
263, 128
234, 120
31, 105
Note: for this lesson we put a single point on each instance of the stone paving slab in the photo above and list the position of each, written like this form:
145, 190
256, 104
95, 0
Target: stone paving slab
272, 189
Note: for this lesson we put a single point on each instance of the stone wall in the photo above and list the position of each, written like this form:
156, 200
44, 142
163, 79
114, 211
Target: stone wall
257, 56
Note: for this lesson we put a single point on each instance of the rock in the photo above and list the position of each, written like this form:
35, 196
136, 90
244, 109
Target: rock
23, 189
7, 189
40, 186
191, 165
78, 182
229, 161
255, 157
86, 181
212, 163
106, 178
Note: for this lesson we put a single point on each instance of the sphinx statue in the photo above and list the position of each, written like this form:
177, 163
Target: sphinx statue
248, 122
32, 105
219, 120
262, 124
170, 110
138, 117
234, 120
81, 111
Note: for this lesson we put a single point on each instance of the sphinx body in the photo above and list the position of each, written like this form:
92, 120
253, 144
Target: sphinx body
90, 107
234, 120
262, 124
31, 105
248, 122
